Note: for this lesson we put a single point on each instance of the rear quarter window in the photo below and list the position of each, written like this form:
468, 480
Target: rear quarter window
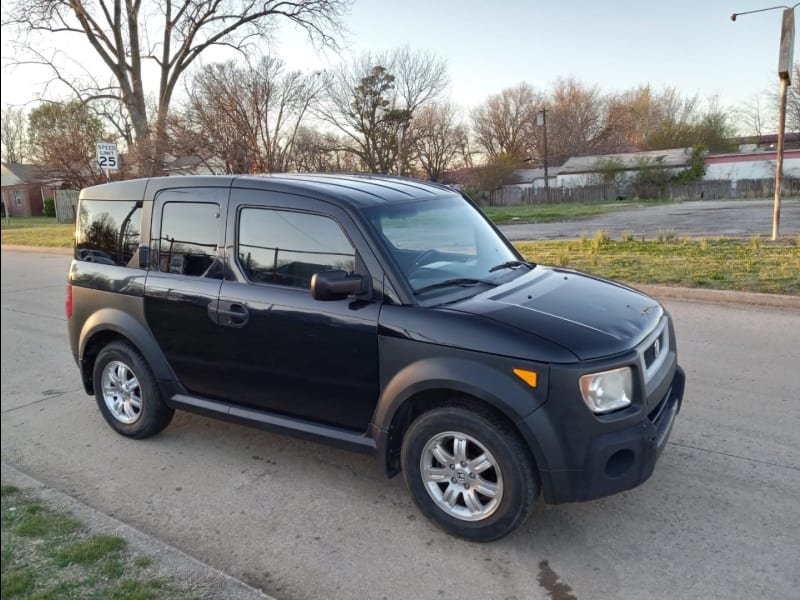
108, 231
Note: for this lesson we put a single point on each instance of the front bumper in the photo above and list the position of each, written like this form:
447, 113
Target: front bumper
622, 460
617, 460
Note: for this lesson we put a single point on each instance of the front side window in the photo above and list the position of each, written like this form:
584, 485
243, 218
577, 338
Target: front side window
108, 231
189, 235
18, 197
287, 248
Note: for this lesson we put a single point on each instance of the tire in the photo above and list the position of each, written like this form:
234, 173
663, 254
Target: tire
469, 473
127, 394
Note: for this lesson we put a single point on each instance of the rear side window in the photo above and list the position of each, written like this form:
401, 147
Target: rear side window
287, 248
189, 236
108, 231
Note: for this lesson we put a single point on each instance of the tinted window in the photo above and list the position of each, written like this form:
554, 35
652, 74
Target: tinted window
445, 226
108, 231
441, 239
287, 248
189, 235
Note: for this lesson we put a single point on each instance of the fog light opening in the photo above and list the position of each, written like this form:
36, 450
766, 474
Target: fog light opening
619, 463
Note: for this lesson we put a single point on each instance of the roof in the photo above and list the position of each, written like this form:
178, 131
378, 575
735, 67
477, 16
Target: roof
530, 175
741, 157
17, 174
351, 189
770, 138
676, 157
355, 189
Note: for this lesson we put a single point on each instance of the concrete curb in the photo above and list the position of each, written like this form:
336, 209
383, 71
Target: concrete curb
176, 562
39, 249
659, 292
662, 292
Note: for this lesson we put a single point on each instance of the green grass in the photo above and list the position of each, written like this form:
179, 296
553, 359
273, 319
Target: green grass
725, 264
543, 213
37, 231
48, 555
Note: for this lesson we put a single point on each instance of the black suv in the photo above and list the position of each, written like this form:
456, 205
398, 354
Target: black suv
377, 313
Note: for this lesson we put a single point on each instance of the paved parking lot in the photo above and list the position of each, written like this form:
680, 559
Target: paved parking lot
709, 218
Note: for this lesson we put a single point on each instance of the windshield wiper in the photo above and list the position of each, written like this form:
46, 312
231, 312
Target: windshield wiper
451, 282
511, 264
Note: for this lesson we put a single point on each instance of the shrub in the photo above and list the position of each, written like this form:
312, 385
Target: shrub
49, 207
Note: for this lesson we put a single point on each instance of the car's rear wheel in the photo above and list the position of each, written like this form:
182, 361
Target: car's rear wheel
126, 392
469, 473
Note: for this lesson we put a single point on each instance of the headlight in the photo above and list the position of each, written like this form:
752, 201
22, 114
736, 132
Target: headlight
607, 391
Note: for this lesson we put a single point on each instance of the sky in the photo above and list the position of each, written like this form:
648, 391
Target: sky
490, 45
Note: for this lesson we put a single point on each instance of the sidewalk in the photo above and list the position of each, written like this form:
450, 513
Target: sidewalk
177, 563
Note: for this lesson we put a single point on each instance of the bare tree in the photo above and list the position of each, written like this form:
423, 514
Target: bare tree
173, 36
62, 141
439, 141
644, 119
759, 114
13, 135
314, 150
752, 116
578, 120
505, 123
248, 116
372, 99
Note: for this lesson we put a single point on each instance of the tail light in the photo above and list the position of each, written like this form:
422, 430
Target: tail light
68, 302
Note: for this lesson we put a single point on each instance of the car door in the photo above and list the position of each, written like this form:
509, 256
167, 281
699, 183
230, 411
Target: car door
282, 350
186, 272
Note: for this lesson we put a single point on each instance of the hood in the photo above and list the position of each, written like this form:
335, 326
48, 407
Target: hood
587, 315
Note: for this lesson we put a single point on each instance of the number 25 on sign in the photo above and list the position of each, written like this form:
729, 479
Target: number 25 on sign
107, 157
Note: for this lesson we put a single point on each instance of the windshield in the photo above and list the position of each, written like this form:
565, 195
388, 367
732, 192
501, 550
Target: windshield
443, 242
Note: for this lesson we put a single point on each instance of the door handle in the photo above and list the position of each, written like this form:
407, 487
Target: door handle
233, 314
228, 314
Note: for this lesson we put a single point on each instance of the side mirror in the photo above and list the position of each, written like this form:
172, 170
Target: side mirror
335, 285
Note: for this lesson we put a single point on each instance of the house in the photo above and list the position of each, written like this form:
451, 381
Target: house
767, 143
534, 177
24, 190
581, 171
751, 165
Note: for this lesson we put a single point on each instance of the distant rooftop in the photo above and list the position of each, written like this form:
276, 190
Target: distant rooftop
676, 157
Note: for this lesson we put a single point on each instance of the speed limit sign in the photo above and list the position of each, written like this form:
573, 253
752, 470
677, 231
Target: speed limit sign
107, 157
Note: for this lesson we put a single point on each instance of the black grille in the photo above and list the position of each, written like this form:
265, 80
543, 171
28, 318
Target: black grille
655, 349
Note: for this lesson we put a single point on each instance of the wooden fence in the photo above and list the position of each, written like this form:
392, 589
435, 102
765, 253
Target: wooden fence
700, 190
66, 205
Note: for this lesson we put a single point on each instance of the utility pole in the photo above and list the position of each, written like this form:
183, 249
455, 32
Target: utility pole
541, 121
784, 71
785, 58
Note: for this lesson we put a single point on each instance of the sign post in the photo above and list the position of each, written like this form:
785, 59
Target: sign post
107, 157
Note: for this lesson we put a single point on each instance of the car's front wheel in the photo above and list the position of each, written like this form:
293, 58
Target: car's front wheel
469, 473
127, 393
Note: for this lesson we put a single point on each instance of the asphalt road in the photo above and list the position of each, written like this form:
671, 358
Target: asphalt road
709, 218
720, 518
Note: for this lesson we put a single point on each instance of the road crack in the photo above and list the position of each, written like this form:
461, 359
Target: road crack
32, 402
728, 454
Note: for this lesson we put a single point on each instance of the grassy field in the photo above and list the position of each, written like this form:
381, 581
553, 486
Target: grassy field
750, 265
37, 231
49, 555
753, 265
